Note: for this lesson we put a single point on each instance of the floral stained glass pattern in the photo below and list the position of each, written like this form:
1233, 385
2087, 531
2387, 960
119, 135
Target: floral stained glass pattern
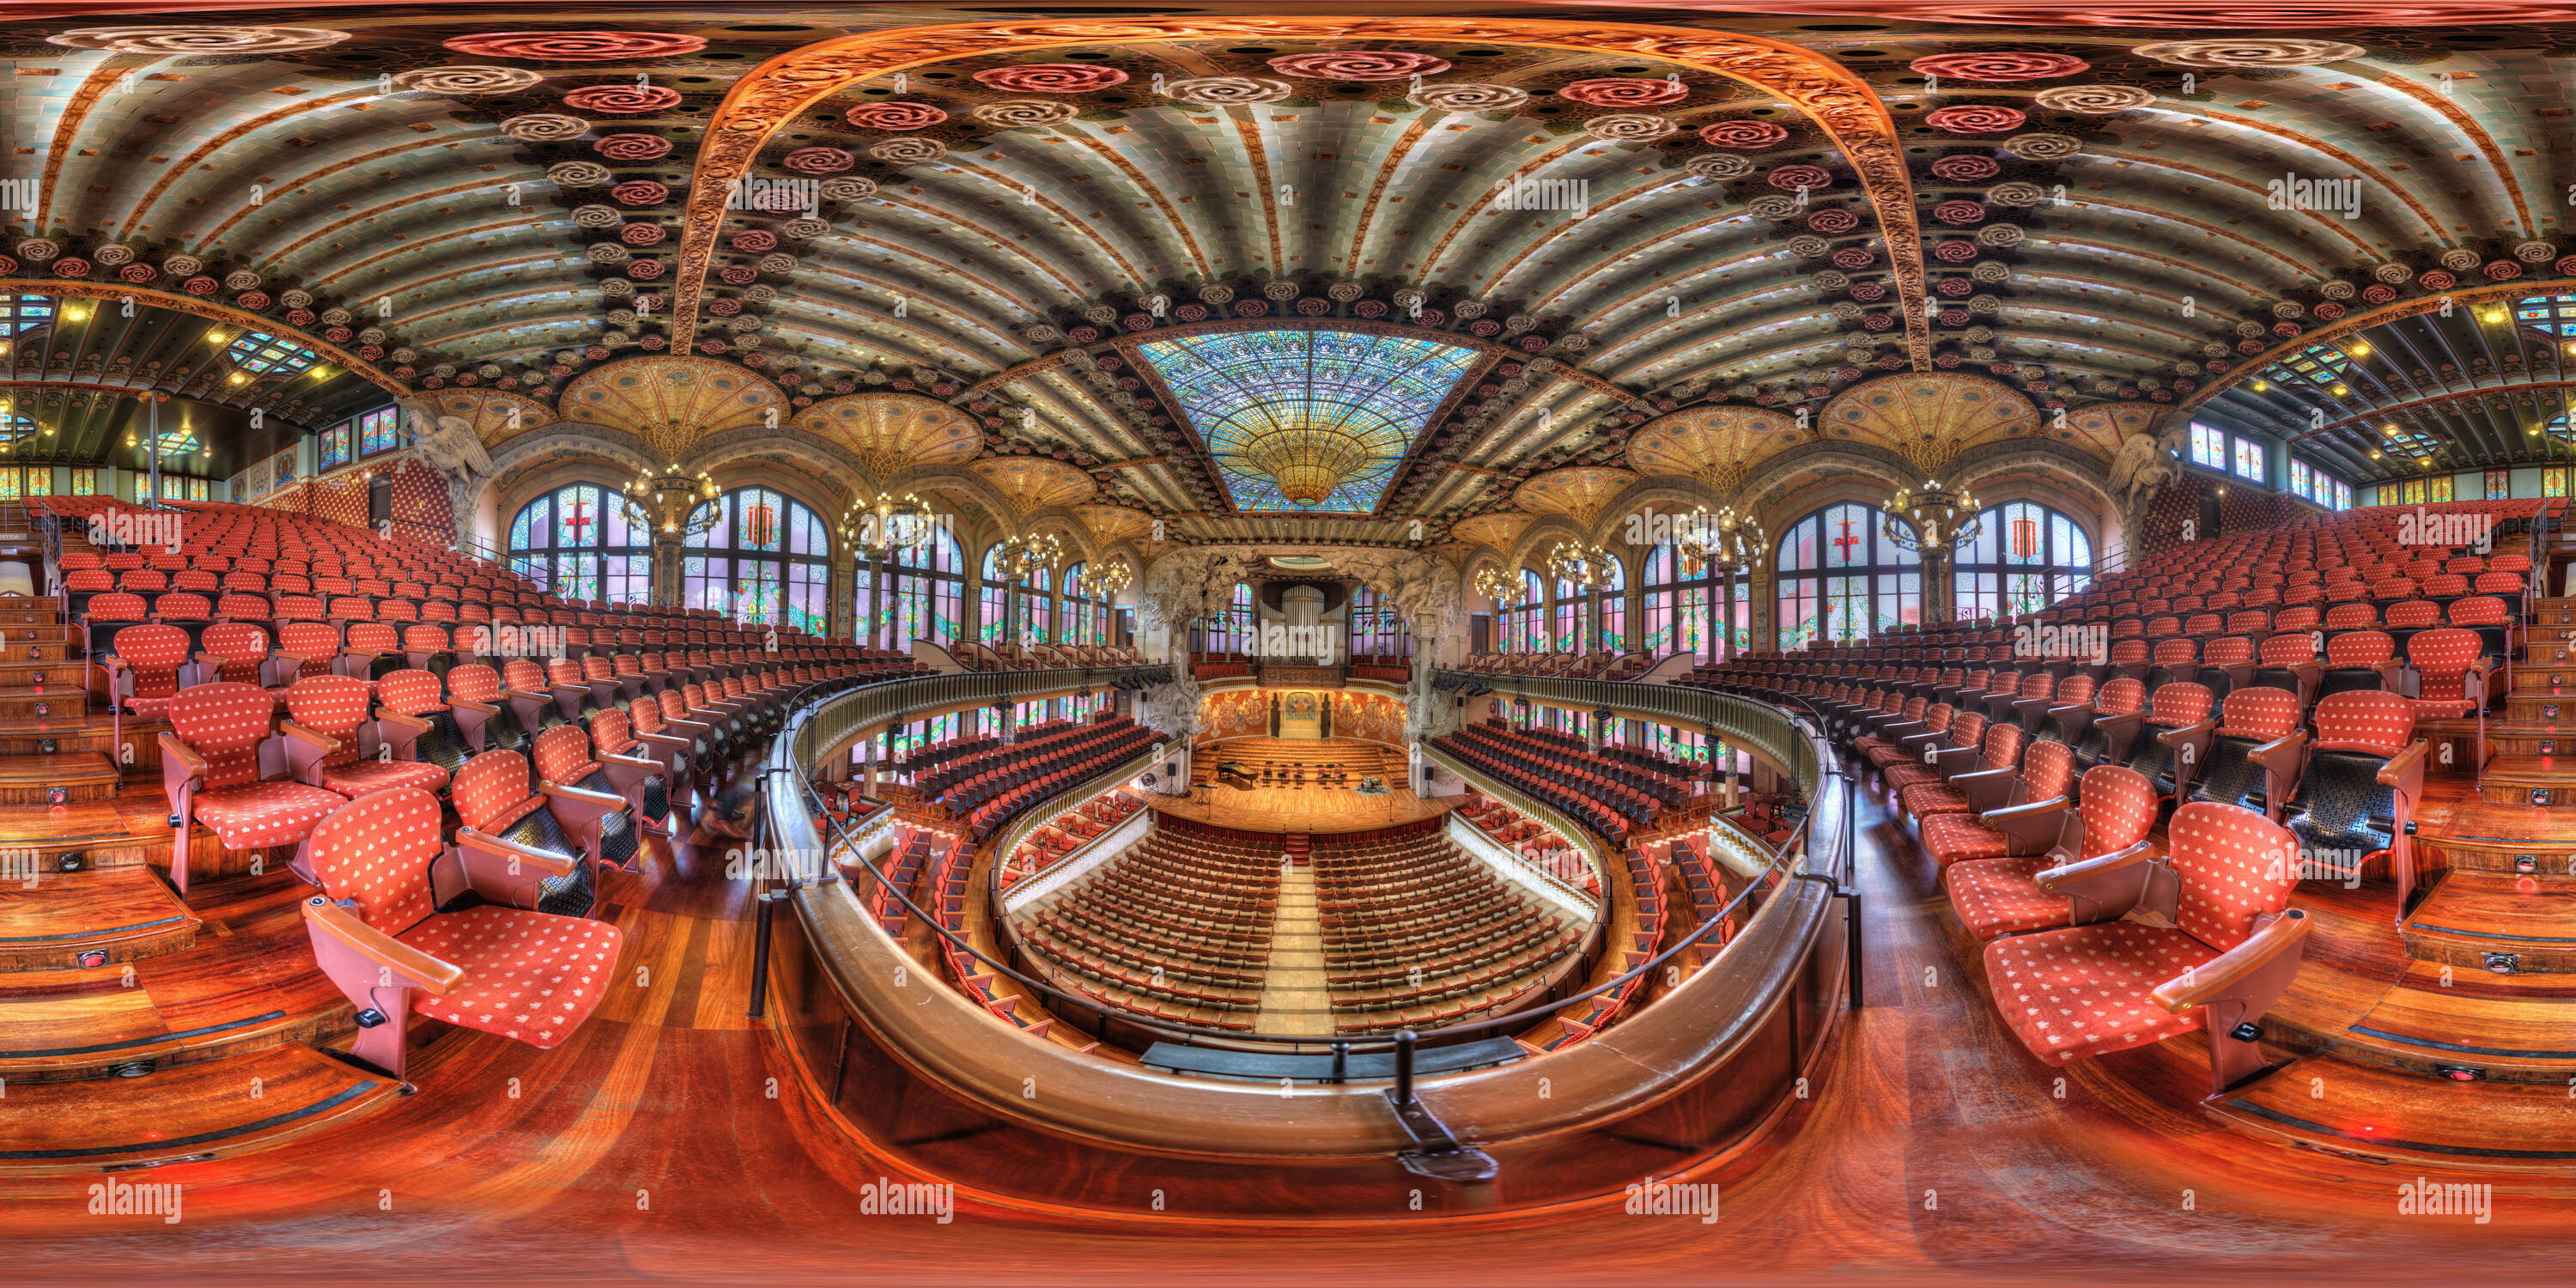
1343, 405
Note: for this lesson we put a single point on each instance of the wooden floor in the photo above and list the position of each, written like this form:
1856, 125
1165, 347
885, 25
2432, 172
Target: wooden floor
650, 1146
1316, 810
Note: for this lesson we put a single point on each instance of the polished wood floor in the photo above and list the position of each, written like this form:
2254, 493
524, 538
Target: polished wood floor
655, 1144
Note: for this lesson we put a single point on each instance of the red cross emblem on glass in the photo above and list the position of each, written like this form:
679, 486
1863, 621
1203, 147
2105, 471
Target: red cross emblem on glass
1846, 541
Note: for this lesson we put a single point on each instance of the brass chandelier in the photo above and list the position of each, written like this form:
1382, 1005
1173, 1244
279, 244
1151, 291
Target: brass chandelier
678, 505
1499, 586
1932, 518
890, 522
1307, 461
1021, 558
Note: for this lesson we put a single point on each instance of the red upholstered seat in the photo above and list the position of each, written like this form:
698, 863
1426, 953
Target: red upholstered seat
1923, 800
526, 975
1954, 838
2084, 991
1998, 896
529, 976
254, 815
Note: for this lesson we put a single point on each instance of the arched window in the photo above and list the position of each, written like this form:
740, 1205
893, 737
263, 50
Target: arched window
1613, 613
991, 602
1570, 606
1377, 628
1083, 617
2026, 557
585, 541
922, 590
762, 559
1522, 632
1681, 606
1842, 579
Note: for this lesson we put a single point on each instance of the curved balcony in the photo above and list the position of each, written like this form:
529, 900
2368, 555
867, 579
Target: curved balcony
922, 1072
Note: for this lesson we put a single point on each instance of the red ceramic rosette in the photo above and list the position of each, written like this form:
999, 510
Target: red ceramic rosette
1960, 212
2379, 293
1974, 118
199, 285
577, 46
895, 116
818, 160
1743, 134
1051, 78
1359, 65
2329, 311
639, 192
1853, 257
1832, 223
621, 99
2503, 270
1790, 178
71, 266
2437, 280
1999, 67
632, 147
642, 234
252, 300
1954, 252
1967, 168
754, 241
1625, 91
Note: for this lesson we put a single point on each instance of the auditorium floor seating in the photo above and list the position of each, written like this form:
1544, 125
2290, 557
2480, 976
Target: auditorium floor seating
1417, 934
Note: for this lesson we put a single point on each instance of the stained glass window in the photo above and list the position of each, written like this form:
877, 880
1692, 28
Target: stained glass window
334, 447
9, 483
2555, 314
1249, 393
1871, 585
2412, 492
584, 541
2553, 481
25, 312
767, 562
40, 480
2208, 447
85, 482
2025, 558
258, 351
376, 432
2437, 490
179, 442
923, 585
2499, 484
2317, 364
196, 489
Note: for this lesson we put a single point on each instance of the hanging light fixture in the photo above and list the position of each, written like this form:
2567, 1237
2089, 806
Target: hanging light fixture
1932, 518
1109, 579
1726, 541
1580, 565
1501, 587
676, 504
1023, 557
890, 523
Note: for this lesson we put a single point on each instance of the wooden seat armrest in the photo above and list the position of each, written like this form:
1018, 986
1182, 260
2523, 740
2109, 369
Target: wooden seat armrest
2029, 829
2404, 771
1948, 756
2069, 710
402, 721
2188, 733
2233, 975
346, 651
630, 762
2108, 718
470, 841
175, 752
658, 739
296, 731
407, 966
2064, 878
2282, 755
530, 694
1982, 776
675, 722
470, 704
2312, 667
580, 796
282, 655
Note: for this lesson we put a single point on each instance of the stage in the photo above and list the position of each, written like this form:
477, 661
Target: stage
1320, 810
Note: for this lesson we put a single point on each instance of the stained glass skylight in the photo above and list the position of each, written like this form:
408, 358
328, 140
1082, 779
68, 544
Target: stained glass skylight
258, 351
2317, 364
2555, 314
1308, 421
24, 312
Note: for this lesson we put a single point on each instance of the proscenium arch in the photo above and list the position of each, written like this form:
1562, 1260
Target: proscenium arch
1849, 112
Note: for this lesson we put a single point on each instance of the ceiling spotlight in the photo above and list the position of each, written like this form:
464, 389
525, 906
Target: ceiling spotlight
2260, 386
2374, 455
2423, 460
2360, 348
2390, 430
2338, 391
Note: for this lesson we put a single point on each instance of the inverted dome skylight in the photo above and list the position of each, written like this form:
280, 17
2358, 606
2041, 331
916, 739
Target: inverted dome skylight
1307, 421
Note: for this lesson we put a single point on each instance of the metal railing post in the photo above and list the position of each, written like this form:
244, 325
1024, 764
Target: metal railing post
1404, 1068
760, 932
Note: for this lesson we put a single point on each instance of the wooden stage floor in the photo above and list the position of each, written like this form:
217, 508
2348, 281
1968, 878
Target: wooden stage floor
1322, 810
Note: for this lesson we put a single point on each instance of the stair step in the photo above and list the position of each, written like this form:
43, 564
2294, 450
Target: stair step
61, 703
2489, 836
48, 920
2473, 914
2524, 779
210, 1109
2385, 1115
2513, 1028
62, 778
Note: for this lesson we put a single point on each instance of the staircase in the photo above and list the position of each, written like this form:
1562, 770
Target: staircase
1297, 845
2464, 1057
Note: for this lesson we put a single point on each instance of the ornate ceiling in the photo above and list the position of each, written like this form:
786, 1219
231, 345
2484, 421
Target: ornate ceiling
1690, 226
